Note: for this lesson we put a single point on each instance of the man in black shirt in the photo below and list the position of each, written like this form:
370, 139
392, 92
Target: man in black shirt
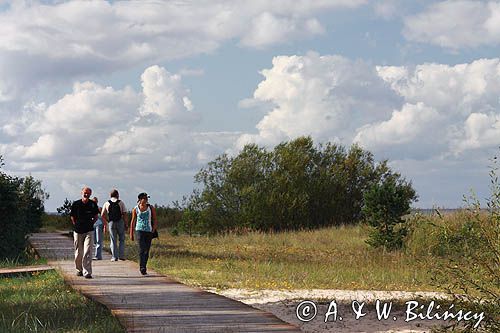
83, 215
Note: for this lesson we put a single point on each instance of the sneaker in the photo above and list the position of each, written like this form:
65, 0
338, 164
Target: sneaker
114, 259
88, 276
143, 272
123, 259
95, 258
78, 273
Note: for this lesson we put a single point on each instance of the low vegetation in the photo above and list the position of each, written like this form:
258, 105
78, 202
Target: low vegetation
51, 223
469, 245
334, 258
22, 260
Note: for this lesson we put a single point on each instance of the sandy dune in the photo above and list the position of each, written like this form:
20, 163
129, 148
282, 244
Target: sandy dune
284, 304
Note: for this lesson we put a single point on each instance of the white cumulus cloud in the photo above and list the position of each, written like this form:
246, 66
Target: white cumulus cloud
267, 29
165, 96
404, 126
323, 96
480, 130
423, 112
456, 93
456, 24
96, 126
327, 97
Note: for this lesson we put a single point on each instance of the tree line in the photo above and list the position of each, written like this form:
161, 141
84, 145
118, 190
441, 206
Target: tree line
296, 185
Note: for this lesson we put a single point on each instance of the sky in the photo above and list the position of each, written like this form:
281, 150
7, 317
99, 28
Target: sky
140, 95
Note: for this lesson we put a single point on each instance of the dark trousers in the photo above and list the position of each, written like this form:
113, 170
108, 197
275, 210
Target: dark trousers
144, 239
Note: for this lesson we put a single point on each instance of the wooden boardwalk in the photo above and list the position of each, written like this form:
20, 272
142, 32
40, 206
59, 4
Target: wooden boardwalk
24, 269
154, 303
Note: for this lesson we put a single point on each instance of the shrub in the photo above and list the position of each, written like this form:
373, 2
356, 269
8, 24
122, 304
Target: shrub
21, 209
386, 202
441, 235
471, 273
12, 240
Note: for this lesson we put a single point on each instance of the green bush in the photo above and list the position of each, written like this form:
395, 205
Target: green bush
12, 240
386, 202
21, 210
441, 235
297, 185
32, 198
471, 269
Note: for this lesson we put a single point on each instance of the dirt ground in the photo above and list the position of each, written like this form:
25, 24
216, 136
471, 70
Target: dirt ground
288, 305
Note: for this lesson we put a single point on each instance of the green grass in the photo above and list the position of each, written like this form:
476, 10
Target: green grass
333, 258
22, 260
51, 223
44, 303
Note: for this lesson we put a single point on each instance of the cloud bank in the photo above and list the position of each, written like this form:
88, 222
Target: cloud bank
125, 130
435, 109
62, 41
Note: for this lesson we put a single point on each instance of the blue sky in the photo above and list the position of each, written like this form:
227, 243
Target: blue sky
141, 95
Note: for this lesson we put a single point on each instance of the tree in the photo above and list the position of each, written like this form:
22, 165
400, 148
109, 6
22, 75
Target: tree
32, 198
385, 204
12, 236
21, 207
65, 209
297, 185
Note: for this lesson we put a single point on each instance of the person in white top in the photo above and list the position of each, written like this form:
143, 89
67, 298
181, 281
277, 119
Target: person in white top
114, 216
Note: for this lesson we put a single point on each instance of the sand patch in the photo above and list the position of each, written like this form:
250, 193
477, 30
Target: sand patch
283, 304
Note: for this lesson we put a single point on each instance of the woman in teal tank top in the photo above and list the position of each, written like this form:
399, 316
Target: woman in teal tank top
143, 219
143, 223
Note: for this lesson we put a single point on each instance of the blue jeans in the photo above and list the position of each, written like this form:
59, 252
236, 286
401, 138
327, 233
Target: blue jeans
144, 240
117, 235
98, 240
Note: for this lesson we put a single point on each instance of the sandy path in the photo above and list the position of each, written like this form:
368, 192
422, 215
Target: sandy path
284, 304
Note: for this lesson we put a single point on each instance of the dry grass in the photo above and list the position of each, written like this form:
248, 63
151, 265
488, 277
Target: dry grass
333, 258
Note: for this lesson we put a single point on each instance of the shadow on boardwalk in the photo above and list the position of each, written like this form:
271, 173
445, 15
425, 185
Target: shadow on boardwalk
154, 303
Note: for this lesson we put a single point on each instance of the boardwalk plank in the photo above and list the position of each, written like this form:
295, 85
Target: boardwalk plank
25, 269
154, 303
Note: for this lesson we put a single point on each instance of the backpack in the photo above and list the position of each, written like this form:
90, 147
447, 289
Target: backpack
114, 211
